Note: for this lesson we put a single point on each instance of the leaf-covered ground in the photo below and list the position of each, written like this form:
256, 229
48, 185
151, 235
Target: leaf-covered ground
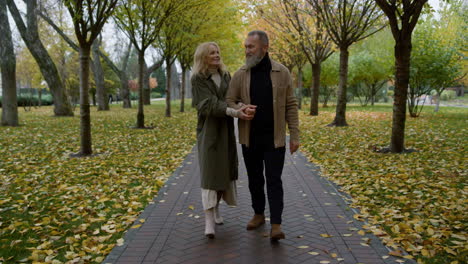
56, 209
417, 201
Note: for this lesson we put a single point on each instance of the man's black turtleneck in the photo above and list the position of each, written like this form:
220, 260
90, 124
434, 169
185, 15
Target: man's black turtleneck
261, 95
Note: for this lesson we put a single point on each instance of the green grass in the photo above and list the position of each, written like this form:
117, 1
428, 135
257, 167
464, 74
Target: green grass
54, 207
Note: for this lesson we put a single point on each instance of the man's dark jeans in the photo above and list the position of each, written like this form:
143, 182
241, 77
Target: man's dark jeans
257, 158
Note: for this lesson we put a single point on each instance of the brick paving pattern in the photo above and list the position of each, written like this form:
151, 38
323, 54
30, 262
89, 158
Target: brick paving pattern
174, 232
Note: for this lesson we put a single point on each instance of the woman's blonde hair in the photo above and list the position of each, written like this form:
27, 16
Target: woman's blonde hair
199, 58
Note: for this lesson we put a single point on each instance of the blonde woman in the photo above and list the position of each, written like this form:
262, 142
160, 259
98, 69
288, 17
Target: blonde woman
216, 141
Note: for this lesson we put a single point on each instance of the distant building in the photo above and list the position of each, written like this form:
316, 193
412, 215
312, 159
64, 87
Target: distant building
188, 85
459, 90
176, 84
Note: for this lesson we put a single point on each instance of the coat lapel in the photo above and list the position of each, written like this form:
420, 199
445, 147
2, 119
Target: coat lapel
246, 83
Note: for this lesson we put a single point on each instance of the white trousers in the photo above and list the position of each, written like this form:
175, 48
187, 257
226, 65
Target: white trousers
210, 197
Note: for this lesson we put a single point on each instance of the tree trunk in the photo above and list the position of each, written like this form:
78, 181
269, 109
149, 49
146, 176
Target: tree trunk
325, 101
299, 86
360, 101
85, 115
437, 102
93, 96
411, 105
30, 35
124, 90
340, 117
182, 90
168, 87
141, 68
314, 97
101, 93
373, 93
62, 106
146, 86
402, 64
8, 71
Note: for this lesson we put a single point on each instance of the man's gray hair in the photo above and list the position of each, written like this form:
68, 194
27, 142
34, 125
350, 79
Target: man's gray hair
262, 36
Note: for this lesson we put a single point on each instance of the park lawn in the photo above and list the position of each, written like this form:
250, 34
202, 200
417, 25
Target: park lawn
415, 200
53, 207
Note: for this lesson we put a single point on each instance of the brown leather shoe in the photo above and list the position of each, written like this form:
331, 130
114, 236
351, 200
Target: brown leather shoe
276, 233
256, 221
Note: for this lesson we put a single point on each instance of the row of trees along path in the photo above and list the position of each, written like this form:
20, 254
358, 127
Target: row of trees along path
343, 22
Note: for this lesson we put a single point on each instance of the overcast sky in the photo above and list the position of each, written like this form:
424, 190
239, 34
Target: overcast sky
434, 3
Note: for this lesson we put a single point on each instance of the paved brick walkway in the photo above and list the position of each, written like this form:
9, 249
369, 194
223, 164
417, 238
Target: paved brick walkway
174, 228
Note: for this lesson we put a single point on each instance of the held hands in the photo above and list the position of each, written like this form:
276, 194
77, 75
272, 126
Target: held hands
293, 146
247, 112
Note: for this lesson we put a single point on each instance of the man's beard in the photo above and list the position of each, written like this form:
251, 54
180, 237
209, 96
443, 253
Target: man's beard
252, 60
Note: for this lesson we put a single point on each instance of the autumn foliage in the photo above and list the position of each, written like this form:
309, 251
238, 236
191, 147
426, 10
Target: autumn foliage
133, 84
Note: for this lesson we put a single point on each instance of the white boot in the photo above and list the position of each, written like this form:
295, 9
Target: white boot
209, 223
217, 217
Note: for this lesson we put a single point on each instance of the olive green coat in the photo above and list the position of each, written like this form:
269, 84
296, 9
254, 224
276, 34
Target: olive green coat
216, 140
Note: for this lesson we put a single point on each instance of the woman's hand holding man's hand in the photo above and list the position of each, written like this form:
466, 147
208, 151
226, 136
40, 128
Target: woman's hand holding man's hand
247, 112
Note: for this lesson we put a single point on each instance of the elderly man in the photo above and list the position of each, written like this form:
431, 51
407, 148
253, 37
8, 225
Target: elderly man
267, 86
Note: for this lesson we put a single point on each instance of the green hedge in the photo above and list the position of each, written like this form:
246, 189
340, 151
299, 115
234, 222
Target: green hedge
156, 95
27, 101
133, 96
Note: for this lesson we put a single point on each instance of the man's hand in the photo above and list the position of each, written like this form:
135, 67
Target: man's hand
293, 146
250, 110
247, 112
